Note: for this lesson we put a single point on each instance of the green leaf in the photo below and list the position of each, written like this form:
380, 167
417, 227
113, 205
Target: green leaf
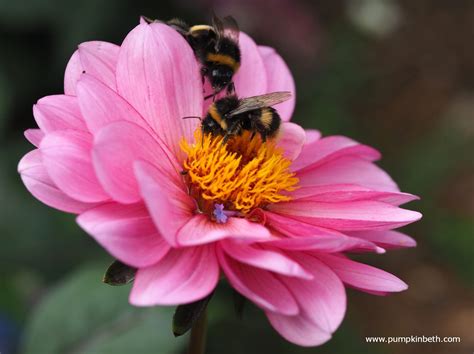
119, 274
186, 315
83, 316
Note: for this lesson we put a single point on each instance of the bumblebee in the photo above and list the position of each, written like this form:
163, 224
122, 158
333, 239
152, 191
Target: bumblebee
217, 49
230, 116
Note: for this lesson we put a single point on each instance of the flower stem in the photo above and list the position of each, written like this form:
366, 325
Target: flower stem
197, 340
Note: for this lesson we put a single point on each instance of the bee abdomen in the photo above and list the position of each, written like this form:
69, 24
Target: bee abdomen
269, 122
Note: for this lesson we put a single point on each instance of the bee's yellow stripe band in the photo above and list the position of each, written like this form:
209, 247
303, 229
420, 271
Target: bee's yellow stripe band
224, 60
197, 28
217, 117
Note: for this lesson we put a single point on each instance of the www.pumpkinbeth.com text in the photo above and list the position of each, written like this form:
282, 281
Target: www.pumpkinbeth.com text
413, 339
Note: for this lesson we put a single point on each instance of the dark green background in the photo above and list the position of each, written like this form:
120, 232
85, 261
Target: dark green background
404, 86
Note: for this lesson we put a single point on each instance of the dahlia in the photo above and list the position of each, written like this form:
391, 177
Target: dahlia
274, 218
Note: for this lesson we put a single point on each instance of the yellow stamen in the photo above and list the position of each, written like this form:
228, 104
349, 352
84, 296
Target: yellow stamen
242, 174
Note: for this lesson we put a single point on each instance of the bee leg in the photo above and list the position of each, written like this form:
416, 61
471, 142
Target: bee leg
213, 95
227, 136
230, 88
234, 129
204, 72
255, 126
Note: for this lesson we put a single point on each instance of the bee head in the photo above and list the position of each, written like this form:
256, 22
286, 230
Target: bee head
210, 126
220, 77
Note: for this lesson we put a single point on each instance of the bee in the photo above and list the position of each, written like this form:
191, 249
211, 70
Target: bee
217, 49
230, 116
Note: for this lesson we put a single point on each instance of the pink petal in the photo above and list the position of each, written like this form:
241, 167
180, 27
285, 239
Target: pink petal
100, 105
159, 75
362, 276
348, 170
116, 147
184, 275
349, 192
330, 244
272, 260
279, 78
127, 232
298, 329
58, 112
99, 59
67, 158
387, 239
303, 236
169, 205
312, 135
73, 72
96, 58
330, 148
34, 136
199, 230
251, 79
260, 286
291, 140
349, 216
323, 299
38, 183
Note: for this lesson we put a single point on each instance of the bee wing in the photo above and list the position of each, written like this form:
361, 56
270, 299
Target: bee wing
226, 27
231, 28
256, 102
218, 27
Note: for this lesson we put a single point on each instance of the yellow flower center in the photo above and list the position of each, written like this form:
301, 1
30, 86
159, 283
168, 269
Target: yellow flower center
240, 175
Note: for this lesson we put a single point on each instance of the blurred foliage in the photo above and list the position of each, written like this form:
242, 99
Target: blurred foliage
449, 233
325, 102
395, 87
83, 315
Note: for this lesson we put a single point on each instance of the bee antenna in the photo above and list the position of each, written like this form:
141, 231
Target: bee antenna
190, 117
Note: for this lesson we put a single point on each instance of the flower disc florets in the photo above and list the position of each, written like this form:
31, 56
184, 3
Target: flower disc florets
242, 174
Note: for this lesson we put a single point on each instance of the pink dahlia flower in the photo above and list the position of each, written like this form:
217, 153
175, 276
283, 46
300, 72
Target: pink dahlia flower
274, 219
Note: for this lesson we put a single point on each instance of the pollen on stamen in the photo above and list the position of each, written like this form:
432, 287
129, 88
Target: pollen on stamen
219, 214
242, 174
